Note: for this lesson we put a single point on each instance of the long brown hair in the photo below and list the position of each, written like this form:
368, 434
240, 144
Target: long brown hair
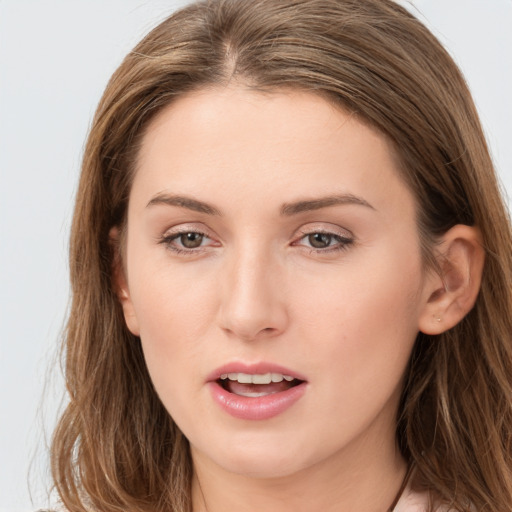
116, 448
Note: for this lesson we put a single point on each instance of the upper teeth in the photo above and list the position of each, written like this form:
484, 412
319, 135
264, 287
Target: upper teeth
266, 378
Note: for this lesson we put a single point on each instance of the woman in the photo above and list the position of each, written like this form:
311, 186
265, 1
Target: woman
288, 261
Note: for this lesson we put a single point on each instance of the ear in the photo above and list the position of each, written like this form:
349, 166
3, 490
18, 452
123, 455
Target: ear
120, 282
452, 292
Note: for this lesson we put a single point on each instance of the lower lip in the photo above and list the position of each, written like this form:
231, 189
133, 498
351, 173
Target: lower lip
260, 408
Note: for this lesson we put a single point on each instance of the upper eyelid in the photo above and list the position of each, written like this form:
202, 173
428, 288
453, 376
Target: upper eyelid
320, 228
304, 230
187, 228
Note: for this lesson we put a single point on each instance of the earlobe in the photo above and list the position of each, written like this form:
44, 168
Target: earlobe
120, 283
452, 292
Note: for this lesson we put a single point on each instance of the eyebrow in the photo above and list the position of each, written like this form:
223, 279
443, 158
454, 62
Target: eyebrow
322, 202
184, 202
288, 209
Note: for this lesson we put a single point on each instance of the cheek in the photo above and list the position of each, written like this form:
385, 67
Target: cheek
172, 301
363, 319
175, 312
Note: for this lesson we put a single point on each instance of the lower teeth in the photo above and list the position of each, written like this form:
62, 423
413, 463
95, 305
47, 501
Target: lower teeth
252, 395
256, 390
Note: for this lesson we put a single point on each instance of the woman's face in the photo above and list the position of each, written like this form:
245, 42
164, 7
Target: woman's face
270, 237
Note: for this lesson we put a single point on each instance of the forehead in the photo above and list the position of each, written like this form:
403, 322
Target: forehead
231, 140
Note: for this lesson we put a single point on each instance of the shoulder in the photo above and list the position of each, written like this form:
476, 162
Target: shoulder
412, 501
416, 501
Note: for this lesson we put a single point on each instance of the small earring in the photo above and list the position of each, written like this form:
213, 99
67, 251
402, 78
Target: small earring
437, 318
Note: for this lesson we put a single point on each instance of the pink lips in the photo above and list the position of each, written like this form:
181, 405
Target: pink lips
255, 408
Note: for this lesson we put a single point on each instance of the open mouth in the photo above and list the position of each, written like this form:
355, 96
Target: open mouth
262, 392
257, 385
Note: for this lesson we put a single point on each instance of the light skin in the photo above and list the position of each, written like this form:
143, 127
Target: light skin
302, 250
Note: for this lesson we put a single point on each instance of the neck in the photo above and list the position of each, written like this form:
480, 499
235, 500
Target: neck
365, 477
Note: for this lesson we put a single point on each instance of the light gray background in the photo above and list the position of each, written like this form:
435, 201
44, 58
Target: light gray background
55, 59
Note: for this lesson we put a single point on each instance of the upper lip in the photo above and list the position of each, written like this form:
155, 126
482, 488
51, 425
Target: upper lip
253, 369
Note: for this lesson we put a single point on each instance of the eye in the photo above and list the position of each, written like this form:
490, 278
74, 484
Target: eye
187, 241
320, 240
191, 240
323, 241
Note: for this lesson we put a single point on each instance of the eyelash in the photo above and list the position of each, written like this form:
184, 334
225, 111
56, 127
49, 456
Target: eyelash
168, 241
342, 243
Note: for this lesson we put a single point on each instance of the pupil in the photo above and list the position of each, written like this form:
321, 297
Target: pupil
319, 240
191, 240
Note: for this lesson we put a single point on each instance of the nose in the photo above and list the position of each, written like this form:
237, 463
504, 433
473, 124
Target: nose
253, 297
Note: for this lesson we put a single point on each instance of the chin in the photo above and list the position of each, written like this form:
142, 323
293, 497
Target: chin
262, 468
260, 457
